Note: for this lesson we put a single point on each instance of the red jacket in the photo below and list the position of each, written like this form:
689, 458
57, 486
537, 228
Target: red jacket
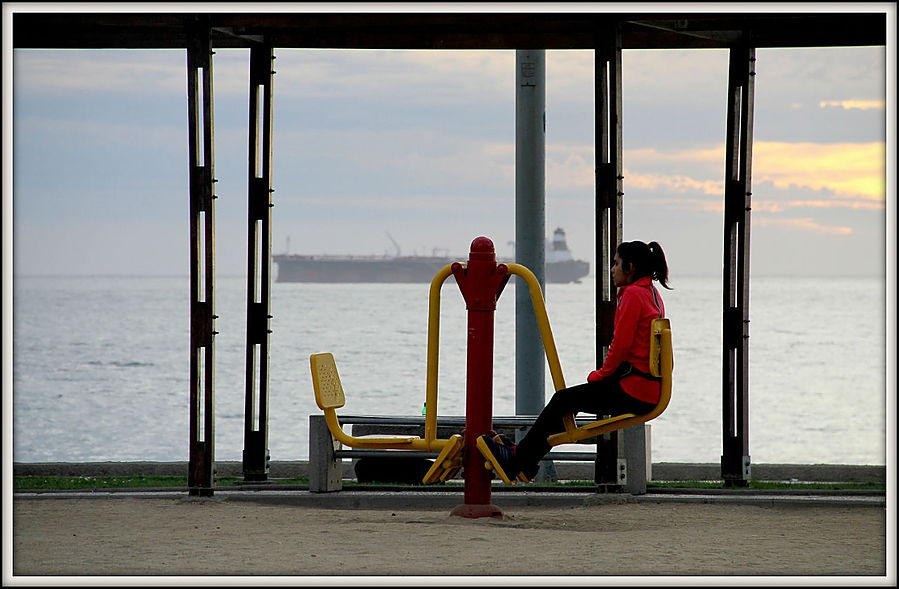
637, 307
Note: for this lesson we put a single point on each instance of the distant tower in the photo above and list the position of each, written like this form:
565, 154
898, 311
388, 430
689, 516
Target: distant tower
559, 240
558, 251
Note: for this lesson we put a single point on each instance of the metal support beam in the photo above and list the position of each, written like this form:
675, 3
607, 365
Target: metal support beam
259, 265
530, 231
201, 469
608, 231
735, 463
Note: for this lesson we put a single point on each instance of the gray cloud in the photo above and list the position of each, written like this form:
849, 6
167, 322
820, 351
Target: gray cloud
420, 144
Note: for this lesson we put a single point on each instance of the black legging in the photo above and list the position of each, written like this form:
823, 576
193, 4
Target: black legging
601, 397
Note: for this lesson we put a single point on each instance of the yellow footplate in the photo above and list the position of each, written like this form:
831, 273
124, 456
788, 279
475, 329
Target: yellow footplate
447, 463
492, 463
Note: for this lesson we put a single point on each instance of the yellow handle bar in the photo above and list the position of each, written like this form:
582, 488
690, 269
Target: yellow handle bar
549, 345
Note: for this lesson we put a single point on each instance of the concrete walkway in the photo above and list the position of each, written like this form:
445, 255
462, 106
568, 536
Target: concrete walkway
661, 471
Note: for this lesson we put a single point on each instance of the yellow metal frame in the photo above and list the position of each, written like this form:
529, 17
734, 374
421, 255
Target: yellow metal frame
434, 350
549, 345
661, 364
447, 463
329, 397
546, 334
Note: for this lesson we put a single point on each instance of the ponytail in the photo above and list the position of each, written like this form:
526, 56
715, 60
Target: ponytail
659, 264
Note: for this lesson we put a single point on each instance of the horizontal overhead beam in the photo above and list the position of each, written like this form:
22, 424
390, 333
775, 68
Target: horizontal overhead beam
757, 30
446, 31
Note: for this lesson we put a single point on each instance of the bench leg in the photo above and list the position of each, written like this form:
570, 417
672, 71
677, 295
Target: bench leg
546, 473
637, 458
325, 469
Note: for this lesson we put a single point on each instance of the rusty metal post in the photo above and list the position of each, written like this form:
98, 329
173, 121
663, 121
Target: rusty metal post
735, 463
259, 264
201, 470
481, 283
607, 55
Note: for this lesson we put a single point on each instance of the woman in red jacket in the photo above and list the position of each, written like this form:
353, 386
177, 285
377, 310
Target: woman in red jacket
623, 383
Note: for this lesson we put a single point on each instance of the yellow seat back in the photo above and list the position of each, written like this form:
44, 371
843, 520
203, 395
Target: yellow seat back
661, 362
655, 345
326, 382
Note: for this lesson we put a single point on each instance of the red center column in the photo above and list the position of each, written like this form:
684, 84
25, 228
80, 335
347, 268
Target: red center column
481, 284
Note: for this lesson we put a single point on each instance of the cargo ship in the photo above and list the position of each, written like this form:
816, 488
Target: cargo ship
561, 267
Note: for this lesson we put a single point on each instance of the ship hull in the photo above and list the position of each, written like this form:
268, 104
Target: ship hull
295, 268
567, 271
385, 270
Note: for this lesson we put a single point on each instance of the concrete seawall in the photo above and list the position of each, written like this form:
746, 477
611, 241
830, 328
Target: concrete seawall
664, 471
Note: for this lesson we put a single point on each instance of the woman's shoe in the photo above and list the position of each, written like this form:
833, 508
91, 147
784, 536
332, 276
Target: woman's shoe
499, 458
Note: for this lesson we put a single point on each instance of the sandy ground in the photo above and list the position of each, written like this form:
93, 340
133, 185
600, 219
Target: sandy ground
186, 537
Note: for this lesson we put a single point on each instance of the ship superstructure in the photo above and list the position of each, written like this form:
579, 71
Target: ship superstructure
561, 266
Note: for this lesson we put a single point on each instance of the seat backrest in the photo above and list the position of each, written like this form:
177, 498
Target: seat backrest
655, 344
326, 382
661, 361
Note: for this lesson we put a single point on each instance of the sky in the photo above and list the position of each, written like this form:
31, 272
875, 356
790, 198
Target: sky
419, 146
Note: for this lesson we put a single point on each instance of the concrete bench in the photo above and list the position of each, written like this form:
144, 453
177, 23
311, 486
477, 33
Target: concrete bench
326, 455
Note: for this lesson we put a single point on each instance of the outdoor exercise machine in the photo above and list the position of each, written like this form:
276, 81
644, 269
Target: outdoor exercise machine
481, 282
661, 365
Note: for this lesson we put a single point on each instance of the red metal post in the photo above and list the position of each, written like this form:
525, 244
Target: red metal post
481, 283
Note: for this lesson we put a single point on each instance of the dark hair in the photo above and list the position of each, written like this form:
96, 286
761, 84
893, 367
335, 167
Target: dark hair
648, 260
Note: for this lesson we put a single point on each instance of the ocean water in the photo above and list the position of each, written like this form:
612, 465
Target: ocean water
101, 364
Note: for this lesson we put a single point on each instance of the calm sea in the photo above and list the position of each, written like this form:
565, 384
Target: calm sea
101, 364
